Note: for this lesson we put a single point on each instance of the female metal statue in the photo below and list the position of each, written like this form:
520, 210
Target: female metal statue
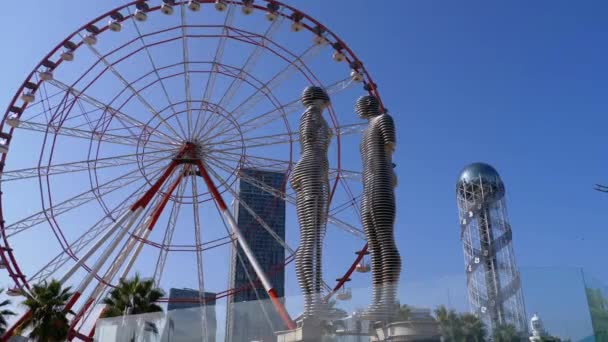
310, 180
378, 206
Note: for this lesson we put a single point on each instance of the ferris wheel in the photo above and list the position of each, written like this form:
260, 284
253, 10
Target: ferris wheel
124, 148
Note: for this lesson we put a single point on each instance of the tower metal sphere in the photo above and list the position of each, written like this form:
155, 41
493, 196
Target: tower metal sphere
493, 280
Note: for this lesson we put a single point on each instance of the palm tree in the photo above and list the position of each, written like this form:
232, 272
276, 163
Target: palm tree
473, 328
505, 333
132, 297
450, 325
48, 320
4, 313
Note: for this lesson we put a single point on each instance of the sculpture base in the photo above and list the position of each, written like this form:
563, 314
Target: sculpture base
414, 330
308, 330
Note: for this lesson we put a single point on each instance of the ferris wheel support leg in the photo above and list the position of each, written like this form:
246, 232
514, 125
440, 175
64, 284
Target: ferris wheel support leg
133, 213
245, 246
144, 232
102, 259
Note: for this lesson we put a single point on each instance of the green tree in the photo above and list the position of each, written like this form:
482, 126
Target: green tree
48, 321
505, 333
4, 313
133, 297
473, 329
450, 325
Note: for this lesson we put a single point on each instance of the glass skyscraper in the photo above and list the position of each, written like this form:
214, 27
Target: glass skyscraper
250, 314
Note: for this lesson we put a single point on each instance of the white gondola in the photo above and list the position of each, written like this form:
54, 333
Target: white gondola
356, 76
338, 56
166, 9
13, 292
114, 25
90, 39
247, 7
273, 11
194, 5
5, 138
272, 16
46, 75
220, 5
297, 26
67, 55
345, 294
13, 121
140, 15
319, 40
28, 97
363, 267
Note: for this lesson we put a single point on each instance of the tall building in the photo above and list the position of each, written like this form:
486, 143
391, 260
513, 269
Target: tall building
185, 319
493, 281
250, 315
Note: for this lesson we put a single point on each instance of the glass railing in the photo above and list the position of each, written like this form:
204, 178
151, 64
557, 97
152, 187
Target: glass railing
572, 305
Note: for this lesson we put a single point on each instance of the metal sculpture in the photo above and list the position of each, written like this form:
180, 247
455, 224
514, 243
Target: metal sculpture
310, 180
378, 206
493, 280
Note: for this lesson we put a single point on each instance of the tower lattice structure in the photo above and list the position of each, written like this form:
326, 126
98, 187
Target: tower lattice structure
493, 280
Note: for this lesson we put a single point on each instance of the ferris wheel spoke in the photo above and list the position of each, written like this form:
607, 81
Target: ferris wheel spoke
293, 106
277, 139
187, 88
288, 198
245, 106
283, 165
282, 111
86, 238
169, 231
84, 134
219, 53
249, 64
84, 165
199, 254
76, 201
120, 116
126, 83
156, 72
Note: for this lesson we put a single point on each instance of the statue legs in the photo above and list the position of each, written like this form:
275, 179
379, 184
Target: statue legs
311, 215
378, 216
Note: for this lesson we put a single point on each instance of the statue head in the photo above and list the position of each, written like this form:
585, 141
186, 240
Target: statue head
315, 96
367, 107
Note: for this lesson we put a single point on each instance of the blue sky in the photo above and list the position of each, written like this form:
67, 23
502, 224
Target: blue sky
516, 84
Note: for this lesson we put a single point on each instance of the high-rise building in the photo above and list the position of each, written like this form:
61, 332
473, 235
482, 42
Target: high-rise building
493, 281
185, 319
250, 315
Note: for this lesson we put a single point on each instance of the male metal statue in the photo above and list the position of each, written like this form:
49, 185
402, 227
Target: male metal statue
310, 180
378, 206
